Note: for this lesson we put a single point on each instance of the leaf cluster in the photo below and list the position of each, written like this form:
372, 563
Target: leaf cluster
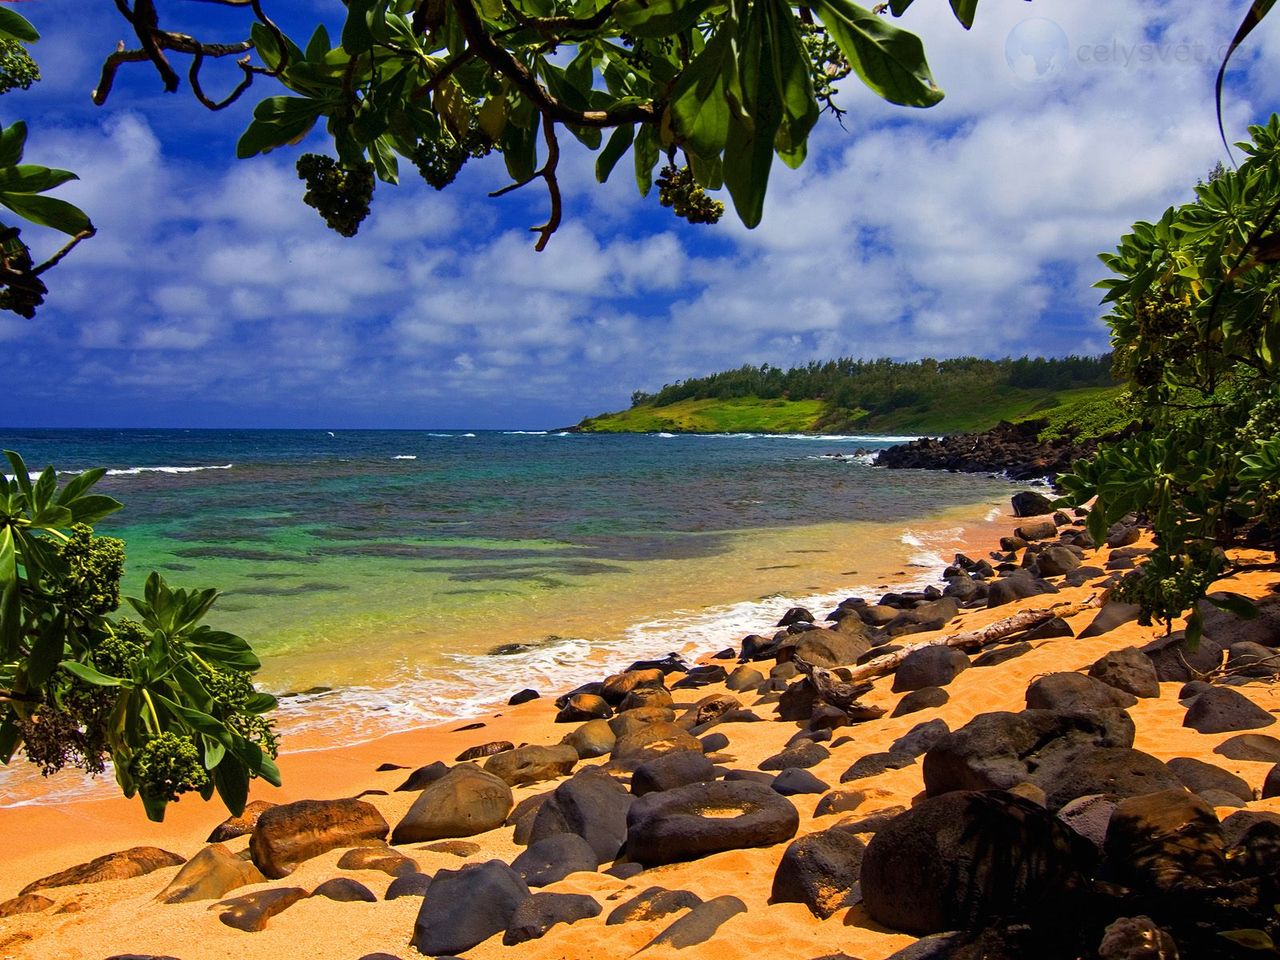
169, 700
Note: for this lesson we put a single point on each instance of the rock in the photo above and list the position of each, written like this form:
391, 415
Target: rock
27, 903
594, 738
925, 698
1000, 750
542, 911
485, 750
1036, 530
291, 833
795, 615
646, 697
744, 678
1166, 842
920, 739
1254, 854
820, 870
874, 764
870, 824
134, 862
1082, 575
698, 925
1271, 785
638, 718
839, 801
1129, 670
1198, 776
1250, 746
1192, 689
624, 871
455, 848
1089, 816
671, 770
408, 885
239, 826
209, 875
532, 764
1238, 825
251, 912
423, 777
590, 804
584, 706
594, 688
615, 688
345, 890
705, 818
1056, 561
1176, 663
713, 742
1002, 654
933, 615
805, 754
701, 677
1221, 710
708, 710
467, 801
794, 782
828, 648
523, 696
1018, 585
553, 858
381, 857
653, 903
954, 861
463, 908
1111, 771
1075, 693
653, 740
929, 667
1227, 629
1031, 503
797, 701
1136, 938
1112, 615
1249, 659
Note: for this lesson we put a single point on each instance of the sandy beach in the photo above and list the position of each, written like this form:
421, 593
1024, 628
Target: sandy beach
94, 921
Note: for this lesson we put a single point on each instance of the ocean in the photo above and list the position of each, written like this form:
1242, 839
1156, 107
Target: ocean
394, 578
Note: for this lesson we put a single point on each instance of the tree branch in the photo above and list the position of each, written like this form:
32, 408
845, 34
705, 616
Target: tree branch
547, 173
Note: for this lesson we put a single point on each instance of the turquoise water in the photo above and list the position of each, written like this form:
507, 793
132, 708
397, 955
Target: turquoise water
424, 574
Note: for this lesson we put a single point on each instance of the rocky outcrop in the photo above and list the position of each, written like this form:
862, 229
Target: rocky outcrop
1013, 449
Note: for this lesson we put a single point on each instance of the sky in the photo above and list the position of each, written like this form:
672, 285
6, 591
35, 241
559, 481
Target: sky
212, 297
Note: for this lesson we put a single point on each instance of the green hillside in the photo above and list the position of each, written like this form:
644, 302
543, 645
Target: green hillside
736, 415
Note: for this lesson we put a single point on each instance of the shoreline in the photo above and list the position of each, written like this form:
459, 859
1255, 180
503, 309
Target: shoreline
309, 755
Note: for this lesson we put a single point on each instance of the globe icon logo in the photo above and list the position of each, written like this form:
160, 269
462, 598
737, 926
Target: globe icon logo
1037, 50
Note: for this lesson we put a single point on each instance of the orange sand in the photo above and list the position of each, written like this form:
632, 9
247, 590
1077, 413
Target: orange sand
96, 921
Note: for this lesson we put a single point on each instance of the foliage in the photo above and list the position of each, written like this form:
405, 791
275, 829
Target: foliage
1090, 415
167, 699
739, 415
716, 87
23, 185
1196, 331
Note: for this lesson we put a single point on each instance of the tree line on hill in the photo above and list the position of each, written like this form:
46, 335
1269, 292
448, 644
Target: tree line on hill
881, 386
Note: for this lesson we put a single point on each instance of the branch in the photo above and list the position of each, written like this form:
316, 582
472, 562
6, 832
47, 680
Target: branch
13, 696
54, 260
547, 173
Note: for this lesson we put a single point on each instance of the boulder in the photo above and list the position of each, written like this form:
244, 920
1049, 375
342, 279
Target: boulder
423, 777
134, 862
483, 750
870, 824
1246, 658
380, 857
1089, 816
1002, 654
467, 801
584, 706
637, 718
920, 739
1166, 842
705, 818
251, 912
1111, 771
653, 740
933, 666
820, 870
1019, 585
708, 710
1136, 938
553, 858
744, 678
1222, 710
463, 908
1112, 615
590, 804
793, 782
595, 738
542, 911
1056, 561
829, 648
805, 754
408, 885
1031, 503
1128, 669
646, 697
713, 742
671, 770
701, 677
1075, 693
239, 826
698, 925
532, 764
839, 801
454, 848
1228, 629
1199, 777
957, 860
874, 764
653, 903
1036, 530
209, 875
615, 688
523, 696
796, 615
27, 903
1049, 630
1238, 825
926, 698
797, 701
1250, 746
345, 890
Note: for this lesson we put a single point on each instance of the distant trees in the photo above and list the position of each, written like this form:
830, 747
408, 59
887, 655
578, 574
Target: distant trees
881, 386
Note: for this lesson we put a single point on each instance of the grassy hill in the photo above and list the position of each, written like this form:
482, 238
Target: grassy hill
941, 415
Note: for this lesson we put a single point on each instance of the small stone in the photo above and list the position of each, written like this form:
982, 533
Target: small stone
423, 777
27, 903
523, 696
408, 885
794, 782
542, 911
1250, 746
699, 924
345, 890
652, 904
804, 755
1220, 710
243, 825
485, 750
839, 801
923, 699
455, 848
381, 857
251, 912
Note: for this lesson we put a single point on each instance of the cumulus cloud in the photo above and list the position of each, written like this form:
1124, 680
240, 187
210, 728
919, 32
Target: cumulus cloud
212, 295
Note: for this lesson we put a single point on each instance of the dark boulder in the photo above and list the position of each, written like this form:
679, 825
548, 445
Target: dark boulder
465, 802
1177, 663
584, 706
1249, 659
652, 904
1166, 842
532, 764
1227, 629
794, 782
1250, 746
590, 804
1111, 771
1036, 530
820, 870
408, 885
345, 890
542, 911
874, 764
925, 698
1002, 654
1056, 561
705, 818
553, 858
803, 755
1089, 816
463, 908
1112, 615
955, 861
523, 696
744, 678
1129, 670
920, 739
252, 911
1049, 630
701, 677
423, 777
929, 667
288, 834
796, 615
1075, 693
1018, 585
699, 924
1136, 938
595, 738
671, 770
1031, 503
1199, 777
797, 701
652, 740
1221, 710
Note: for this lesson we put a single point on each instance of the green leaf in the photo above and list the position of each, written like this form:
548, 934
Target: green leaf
21, 475
748, 155
30, 178
213, 752
90, 509
78, 484
89, 674
792, 76
619, 143
646, 150
356, 37
12, 141
10, 597
659, 18
1249, 939
889, 60
278, 121
48, 212
1234, 603
231, 777
705, 94
46, 652
16, 27
261, 703
319, 45
964, 11
10, 739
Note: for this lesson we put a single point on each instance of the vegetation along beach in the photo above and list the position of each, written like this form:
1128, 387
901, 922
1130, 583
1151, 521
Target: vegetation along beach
462, 498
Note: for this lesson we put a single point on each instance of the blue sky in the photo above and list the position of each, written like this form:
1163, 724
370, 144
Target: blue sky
213, 297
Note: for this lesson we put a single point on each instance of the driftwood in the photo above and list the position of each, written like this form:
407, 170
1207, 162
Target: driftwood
842, 687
